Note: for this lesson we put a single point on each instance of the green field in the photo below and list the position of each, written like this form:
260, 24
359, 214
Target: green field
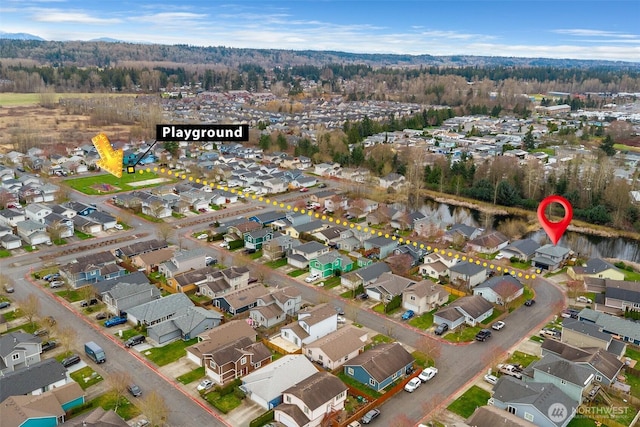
622, 147
109, 184
469, 401
9, 99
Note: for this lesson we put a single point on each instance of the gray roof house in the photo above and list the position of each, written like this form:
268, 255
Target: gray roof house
492, 416
382, 245
264, 386
123, 296
604, 365
424, 296
586, 334
34, 379
467, 273
18, 350
627, 330
622, 294
380, 366
534, 402
183, 261
186, 323
471, 310
388, 286
332, 350
573, 379
550, 257
300, 255
523, 249
597, 268
364, 276
500, 289
158, 310
461, 232
273, 307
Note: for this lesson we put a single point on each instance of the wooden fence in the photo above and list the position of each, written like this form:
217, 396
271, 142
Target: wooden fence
279, 349
454, 291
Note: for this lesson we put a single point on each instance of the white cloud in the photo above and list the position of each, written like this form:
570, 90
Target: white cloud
49, 15
578, 32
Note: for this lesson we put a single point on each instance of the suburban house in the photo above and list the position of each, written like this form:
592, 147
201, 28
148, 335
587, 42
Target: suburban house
490, 416
151, 261
586, 334
436, 265
158, 310
364, 276
278, 247
97, 418
274, 307
380, 246
471, 310
460, 233
572, 379
58, 226
550, 257
312, 324
123, 296
47, 409
387, 286
11, 217
218, 337
595, 268
37, 212
523, 249
310, 227
216, 282
532, 401
326, 265
186, 323
310, 402
235, 360
380, 366
34, 379
18, 350
182, 261
335, 349
604, 365
489, 243
265, 385
237, 231
622, 295
140, 248
256, 238
241, 300
468, 274
10, 241
626, 330
424, 296
500, 290
32, 232
393, 179
91, 269
300, 255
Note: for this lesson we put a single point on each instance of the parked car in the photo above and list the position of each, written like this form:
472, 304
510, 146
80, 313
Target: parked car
363, 296
498, 325
249, 251
370, 416
483, 335
205, 384
134, 340
41, 332
134, 390
408, 314
208, 260
427, 374
511, 370
92, 301
9, 289
342, 320
584, 299
56, 284
202, 236
491, 379
224, 245
550, 332
71, 360
441, 329
412, 385
339, 310
569, 312
114, 321
50, 320
312, 278
529, 302
49, 345
4, 304
50, 277
119, 227
322, 185
354, 424
101, 316
304, 189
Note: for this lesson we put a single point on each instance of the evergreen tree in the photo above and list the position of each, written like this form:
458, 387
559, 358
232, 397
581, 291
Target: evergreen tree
265, 142
607, 146
529, 141
281, 140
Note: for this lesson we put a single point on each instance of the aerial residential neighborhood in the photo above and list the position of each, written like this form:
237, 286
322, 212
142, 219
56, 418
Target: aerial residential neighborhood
379, 246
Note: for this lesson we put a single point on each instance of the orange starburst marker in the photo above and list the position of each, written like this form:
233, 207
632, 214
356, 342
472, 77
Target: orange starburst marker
110, 159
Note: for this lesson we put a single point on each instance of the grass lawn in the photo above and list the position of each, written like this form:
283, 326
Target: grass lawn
521, 265
633, 353
192, 376
148, 217
536, 338
378, 339
421, 359
4, 253
12, 99
561, 271
296, 273
424, 321
634, 382
632, 276
495, 315
359, 386
91, 185
86, 377
169, 353
82, 236
469, 401
623, 147
463, 334
126, 410
332, 282
226, 404
256, 255
521, 358
13, 315
199, 298
126, 334
582, 422
379, 308
59, 242
71, 296
44, 272
276, 263
30, 248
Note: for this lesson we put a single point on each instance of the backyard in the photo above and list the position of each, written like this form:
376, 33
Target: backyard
466, 404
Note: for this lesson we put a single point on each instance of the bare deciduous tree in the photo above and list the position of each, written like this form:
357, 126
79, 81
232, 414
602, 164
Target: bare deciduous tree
30, 307
65, 336
430, 347
165, 231
155, 408
118, 382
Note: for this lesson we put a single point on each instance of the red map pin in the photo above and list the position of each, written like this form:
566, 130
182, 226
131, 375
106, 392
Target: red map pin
555, 230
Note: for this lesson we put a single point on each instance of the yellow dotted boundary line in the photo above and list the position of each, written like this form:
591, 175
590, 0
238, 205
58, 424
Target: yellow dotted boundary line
338, 221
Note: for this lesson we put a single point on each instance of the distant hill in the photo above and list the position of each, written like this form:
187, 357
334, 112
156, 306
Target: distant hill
107, 40
107, 52
19, 36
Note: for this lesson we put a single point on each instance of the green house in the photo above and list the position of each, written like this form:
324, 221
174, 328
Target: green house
327, 264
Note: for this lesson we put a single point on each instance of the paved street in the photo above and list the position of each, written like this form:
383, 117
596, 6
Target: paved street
458, 364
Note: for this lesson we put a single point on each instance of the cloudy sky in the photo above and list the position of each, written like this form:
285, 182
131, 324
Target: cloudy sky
580, 29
